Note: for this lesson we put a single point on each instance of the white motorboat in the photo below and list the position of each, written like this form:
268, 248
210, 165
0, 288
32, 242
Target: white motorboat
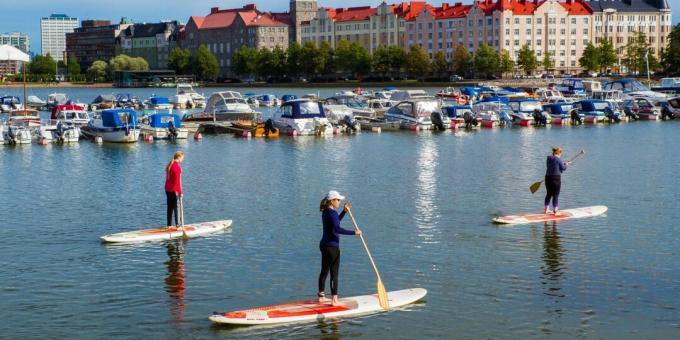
15, 134
302, 117
224, 106
116, 125
633, 88
355, 103
423, 114
10, 103
58, 131
71, 115
54, 99
158, 103
165, 126
186, 98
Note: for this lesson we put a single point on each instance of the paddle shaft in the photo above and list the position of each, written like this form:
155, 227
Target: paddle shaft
181, 217
569, 161
370, 257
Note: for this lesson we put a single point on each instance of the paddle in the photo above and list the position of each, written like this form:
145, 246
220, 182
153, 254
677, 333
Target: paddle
181, 218
382, 293
534, 187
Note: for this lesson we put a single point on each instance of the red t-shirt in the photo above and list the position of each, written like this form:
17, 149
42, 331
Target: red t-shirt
173, 182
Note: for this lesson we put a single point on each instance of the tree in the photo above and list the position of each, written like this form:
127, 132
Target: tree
527, 59
440, 66
360, 60
244, 61
590, 59
381, 61
123, 62
486, 60
639, 54
206, 64
180, 60
42, 65
547, 61
671, 55
607, 55
506, 65
343, 56
293, 60
98, 70
265, 63
417, 61
328, 56
311, 62
72, 68
462, 60
397, 58
278, 62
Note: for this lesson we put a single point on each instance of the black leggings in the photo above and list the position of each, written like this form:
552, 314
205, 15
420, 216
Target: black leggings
172, 207
330, 261
552, 186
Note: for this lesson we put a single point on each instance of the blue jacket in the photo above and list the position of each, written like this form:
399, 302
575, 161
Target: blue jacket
555, 166
332, 229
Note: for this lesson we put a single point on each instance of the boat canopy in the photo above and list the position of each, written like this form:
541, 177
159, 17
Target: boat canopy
409, 95
164, 120
119, 118
558, 108
104, 98
301, 109
288, 97
626, 85
454, 111
9, 100
266, 97
594, 105
159, 100
495, 99
35, 100
65, 107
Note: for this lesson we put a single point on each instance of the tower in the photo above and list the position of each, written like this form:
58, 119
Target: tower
300, 10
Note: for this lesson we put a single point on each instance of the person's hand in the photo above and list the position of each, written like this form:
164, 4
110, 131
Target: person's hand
347, 206
357, 232
567, 163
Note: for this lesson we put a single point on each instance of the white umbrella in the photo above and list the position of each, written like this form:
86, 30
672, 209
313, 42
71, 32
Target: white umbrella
8, 52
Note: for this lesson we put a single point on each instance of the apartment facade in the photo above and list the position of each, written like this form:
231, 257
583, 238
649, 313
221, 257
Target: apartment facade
94, 40
16, 39
53, 30
300, 11
151, 41
224, 31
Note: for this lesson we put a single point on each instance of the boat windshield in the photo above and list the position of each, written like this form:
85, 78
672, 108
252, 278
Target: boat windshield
425, 108
601, 106
309, 108
530, 106
235, 101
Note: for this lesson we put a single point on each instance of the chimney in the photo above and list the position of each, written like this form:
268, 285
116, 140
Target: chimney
214, 10
250, 7
445, 6
457, 4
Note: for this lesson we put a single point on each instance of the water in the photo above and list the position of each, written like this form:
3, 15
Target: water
424, 202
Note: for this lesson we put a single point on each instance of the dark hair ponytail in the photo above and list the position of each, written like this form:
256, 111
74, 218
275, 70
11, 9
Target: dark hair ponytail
324, 204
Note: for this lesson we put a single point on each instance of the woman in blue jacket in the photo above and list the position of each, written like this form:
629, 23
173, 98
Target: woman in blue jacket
553, 179
330, 243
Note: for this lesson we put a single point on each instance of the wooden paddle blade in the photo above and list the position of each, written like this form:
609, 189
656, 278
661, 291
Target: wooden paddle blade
382, 296
534, 187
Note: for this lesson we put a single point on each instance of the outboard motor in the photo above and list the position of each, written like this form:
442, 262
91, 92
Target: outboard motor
666, 112
188, 104
629, 112
575, 117
173, 130
505, 118
437, 121
609, 113
269, 127
349, 124
11, 135
470, 120
539, 118
60, 132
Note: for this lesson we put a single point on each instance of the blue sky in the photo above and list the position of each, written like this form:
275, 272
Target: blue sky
25, 16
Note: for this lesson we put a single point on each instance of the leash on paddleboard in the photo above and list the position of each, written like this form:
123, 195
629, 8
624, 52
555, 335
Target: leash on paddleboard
181, 218
380, 287
537, 185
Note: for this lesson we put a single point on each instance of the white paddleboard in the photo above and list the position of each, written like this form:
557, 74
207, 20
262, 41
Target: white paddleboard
158, 234
312, 310
561, 215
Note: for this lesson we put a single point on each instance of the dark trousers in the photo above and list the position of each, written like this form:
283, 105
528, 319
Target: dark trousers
552, 187
172, 207
330, 261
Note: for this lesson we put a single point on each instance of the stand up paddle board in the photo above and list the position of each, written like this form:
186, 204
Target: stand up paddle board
158, 234
561, 215
312, 310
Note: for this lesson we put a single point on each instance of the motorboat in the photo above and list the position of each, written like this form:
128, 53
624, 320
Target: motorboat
418, 114
70, 114
493, 111
158, 103
9, 103
550, 95
404, 95
24, 117
352, 101
633, 88
342, 117
642, 108
13, 134
597, 110
224, 106
187, 98
572, 87
458, 113
289, 97
671, 110
54, 99
379, 106
560, 113
34, 102
165, 126
524, 110
251, 98
267, 100
302, 117
103, 101
452, 94
127, 101
668, 86
58, 131
614, 96
115, 125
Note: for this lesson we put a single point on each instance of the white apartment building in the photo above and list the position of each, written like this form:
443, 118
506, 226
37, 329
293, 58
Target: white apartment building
53, 31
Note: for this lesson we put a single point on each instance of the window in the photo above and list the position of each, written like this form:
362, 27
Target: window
528, 21
573, 21
516, 21
573, 53
507, 31
539, 31
507, 21
516, 42
538, 42
528, 31
516, 31
539, 21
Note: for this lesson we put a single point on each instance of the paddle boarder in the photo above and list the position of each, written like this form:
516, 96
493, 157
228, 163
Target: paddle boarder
330, 243
553, 179
173, 186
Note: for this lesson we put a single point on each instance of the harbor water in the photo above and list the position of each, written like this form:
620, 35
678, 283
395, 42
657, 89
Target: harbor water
424, 201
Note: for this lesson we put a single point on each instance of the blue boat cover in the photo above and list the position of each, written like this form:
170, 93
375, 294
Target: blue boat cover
159, 100
119, 118
495, 99
452, 110
163, 120
303, 109
287, 97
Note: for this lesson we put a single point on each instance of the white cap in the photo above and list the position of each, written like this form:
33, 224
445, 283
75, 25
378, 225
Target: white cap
332, 195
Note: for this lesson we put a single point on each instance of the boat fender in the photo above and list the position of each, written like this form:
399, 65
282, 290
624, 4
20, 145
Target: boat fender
462, 100
198, 136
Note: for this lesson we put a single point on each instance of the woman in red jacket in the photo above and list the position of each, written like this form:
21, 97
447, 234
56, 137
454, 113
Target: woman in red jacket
173, 185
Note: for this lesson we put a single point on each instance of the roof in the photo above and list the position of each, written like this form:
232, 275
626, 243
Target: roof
409, 11
223, 18
351, 13
148, 30
577, 7
629, 5
446, 11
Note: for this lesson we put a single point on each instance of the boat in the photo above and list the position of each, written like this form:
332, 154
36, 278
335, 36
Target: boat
550, 95
158, 103
572, 87
267, 100
288, 97
70, 114
668, 86
186, 98
379, 106
15, 134
313, 311
127, 101
418, 114
54, 99
560, 113
264, 129
613, 96
9, 103
672, 109
161, 234
224, 106
633, 88
165, 126
114, 125
590, 86
525, 111
34, 102
491, 112
597, 110
25, 117
58, 131
641, 108
404, 95
351, 101
302, 117
452, 94
103, 102
561, 215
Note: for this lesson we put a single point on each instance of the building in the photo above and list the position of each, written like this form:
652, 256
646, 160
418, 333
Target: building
371, 27
153, 42
94, 40
16, 39
53, 30
224, 31
300, 11
619, 21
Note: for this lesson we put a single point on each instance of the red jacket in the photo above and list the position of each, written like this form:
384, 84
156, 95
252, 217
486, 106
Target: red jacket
173, 182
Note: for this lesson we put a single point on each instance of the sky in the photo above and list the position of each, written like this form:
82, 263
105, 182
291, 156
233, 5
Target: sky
25, 16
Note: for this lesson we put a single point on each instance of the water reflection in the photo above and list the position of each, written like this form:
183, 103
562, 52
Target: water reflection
174, 282
553, 261
329, 330
426, 190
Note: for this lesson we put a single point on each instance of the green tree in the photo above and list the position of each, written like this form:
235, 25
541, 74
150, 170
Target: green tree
486, 60
42, 65
206, 64
343, 56
670, 58
462, 61
440, 66
638, 54
417, 62
397, 58
293, 59
607, 55
180, 60
72, 68
360, 60
244, 61
311, 61
506, 65
98, 71
381, 61
590, 59
279, 65
328, 56
123, 62
527, 59
547, 63
265, 63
